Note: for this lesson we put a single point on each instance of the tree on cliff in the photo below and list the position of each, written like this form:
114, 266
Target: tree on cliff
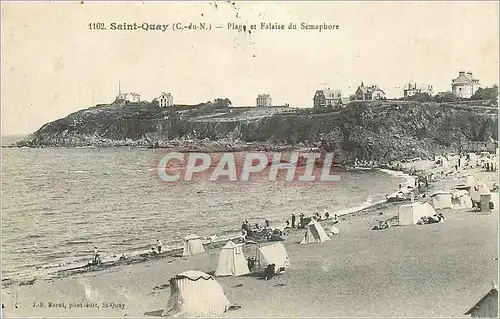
221, 103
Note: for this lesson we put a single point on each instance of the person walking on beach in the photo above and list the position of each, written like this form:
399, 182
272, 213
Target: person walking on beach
159, 244
301, 216
293, 220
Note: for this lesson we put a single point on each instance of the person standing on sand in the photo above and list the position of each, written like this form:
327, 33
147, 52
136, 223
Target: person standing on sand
97, 258
293, 220
159, 244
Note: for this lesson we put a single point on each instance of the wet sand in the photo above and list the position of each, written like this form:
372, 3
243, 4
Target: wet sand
420, 271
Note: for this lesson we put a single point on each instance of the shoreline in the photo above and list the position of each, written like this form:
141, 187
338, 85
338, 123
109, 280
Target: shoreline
364, 254
61, 271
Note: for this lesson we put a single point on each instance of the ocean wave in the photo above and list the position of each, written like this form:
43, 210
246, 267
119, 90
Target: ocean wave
77, 242
34, 236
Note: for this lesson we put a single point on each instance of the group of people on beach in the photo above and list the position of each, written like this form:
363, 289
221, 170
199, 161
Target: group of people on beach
303, 220
96, 260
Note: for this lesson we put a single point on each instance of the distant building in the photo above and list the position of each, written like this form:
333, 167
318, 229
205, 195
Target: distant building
412, 89
327, 98
264, 100
129, 97
464, 85
487, 306
369, 93
165, 100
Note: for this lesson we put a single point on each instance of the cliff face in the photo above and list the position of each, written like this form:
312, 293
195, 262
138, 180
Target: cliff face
381, 131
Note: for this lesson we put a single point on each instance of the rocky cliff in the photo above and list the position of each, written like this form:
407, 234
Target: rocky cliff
381, 131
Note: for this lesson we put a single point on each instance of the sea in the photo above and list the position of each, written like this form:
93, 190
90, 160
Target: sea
58, 203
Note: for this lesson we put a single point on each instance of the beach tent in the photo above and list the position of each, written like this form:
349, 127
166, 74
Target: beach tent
410, 214
481, 193
315, 233
461, 199
487, 306
465, 183
192, 245
195, 294
441, 200
273, 254
232, 262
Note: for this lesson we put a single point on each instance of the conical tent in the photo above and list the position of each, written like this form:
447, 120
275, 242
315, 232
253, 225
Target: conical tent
315, 233
273, 254
232, 261
192, 245
195, 294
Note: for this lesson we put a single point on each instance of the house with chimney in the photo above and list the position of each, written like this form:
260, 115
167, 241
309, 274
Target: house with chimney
264, 100
327, 98
464, 86
165, 100
412, 89
369, 93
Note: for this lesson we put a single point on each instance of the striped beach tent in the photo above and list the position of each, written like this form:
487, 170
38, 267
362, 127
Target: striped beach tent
195, 294
192, 245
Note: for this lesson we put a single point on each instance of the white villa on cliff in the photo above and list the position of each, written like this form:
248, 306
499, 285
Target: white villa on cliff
464, 85
165, 100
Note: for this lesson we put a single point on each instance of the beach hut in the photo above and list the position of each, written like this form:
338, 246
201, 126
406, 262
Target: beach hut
465, 183
232, 261
441, 200
315, 233
461, 200
410, 214
195, 294
486, 306
273, 254
481, 193
192, 245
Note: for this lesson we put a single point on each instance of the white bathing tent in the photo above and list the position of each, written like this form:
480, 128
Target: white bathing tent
273, 254
441, 200
195, 294
461, 199
487, 306
232, 261
481, 193
192, 245
315, 233
410, 214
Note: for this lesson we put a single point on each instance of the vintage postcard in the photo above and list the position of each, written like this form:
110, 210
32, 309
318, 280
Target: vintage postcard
249, 159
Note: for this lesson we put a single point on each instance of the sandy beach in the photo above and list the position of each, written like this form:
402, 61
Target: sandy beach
419, 271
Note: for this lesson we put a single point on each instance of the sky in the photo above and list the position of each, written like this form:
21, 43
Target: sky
54, 65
